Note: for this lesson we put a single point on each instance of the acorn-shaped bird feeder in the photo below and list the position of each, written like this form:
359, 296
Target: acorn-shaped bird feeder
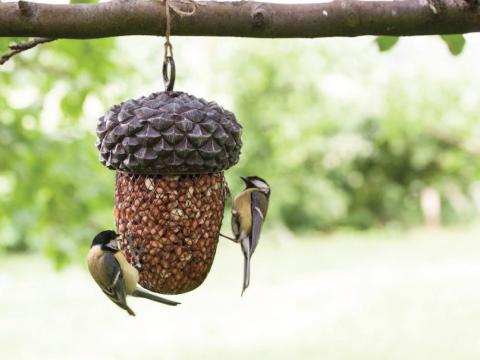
169, 150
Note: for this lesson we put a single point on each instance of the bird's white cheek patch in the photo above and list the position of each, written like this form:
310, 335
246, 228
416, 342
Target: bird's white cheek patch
260, 184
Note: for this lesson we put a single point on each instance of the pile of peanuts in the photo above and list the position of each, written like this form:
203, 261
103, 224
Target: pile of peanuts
169, 227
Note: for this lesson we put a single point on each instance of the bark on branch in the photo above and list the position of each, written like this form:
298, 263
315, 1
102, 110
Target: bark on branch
243, 19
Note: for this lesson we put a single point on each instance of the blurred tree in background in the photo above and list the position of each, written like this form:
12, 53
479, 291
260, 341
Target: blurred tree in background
347, 136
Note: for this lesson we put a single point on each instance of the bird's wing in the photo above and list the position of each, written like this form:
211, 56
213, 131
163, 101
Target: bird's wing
111, 281
259, 209
235, 222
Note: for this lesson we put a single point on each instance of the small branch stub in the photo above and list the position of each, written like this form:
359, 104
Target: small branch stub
17, 48
26, 8
261, 17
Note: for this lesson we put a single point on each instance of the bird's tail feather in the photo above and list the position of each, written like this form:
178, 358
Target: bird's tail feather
130, 311
246, 264
150, 296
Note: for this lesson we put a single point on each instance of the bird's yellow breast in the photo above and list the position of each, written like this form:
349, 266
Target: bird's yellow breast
130, 274
95, 261
242, 205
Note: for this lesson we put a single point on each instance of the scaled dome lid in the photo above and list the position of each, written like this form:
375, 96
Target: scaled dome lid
169, 133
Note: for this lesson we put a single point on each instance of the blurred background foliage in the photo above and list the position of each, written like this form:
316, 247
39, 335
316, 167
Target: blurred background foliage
348, 136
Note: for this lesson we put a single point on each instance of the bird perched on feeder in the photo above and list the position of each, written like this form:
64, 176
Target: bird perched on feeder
249, 210
115, 276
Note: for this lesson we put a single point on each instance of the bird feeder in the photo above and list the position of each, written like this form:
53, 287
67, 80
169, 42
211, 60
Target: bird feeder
169, 150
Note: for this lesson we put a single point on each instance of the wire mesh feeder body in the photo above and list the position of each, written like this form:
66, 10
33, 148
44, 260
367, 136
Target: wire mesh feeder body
170, 150
169, 226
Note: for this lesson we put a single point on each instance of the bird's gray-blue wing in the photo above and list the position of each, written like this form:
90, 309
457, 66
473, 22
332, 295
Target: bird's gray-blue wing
111, 281
259, 210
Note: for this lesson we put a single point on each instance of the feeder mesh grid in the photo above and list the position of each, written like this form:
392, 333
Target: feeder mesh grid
169, 227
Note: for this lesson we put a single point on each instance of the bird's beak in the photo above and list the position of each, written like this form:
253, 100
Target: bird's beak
245, 179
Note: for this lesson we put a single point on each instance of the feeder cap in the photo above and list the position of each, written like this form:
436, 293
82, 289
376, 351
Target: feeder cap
169, 133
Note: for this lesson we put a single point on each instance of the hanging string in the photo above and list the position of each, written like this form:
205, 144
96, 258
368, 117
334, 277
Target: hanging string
177, 7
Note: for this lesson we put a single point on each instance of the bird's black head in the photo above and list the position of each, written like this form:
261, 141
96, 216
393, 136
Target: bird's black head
256, 182
107, 240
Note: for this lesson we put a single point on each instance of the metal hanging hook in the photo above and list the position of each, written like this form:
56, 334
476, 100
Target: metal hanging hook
168, 61
169, 81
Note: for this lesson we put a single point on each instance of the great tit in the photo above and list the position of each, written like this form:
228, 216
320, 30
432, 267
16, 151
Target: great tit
248, 214
112, 272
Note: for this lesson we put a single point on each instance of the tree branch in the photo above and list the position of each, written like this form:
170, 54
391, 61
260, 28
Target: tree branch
244, 19
17, 48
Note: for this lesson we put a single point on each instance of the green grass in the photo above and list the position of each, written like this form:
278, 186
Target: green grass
379, 295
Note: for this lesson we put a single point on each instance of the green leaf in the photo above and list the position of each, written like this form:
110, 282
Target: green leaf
455, 43
385, 43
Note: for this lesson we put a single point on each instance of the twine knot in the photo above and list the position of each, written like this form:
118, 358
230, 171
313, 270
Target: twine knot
177, 6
